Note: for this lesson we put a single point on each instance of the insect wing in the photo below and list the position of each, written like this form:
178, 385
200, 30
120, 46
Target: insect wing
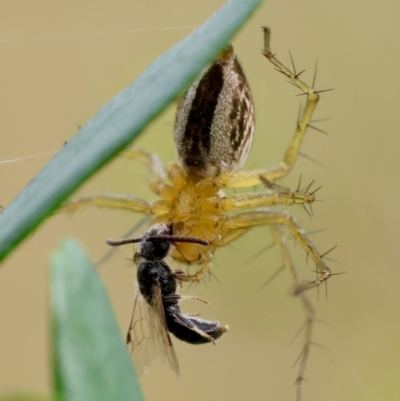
138, 337
148, 336
160, 333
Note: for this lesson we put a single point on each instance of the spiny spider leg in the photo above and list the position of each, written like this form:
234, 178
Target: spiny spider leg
278, 196
277, 217
280, 241
150, 160
285, 196
239, 224
250, 178
130, 202
156, 173
109, 201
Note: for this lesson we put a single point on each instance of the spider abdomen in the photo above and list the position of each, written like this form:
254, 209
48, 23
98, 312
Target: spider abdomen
214, 123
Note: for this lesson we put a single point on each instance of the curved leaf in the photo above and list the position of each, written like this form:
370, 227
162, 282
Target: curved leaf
91, 361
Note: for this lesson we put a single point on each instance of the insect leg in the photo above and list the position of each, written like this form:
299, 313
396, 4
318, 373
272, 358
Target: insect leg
204, 301
178, 297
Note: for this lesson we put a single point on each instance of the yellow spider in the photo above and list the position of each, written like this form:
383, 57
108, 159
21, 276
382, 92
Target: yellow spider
213, 134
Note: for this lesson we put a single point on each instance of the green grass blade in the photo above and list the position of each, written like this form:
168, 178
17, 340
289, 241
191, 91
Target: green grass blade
119, 122
91, 361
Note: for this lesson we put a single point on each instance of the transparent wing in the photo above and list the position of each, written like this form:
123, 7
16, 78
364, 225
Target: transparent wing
148, 337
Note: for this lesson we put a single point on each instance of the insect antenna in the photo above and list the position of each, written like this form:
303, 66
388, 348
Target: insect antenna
123, 241
131, 231
166, 237
177, 238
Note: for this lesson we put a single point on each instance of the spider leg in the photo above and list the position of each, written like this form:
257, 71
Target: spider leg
204, 268
282, 218
283, 196
110, 201
157, 174
277, 220
130, 202
280, 241
277, 196
151, 161
177, 176
155, 170
251, 178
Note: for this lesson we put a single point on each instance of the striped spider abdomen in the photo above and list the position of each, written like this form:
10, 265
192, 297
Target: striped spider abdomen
214, 123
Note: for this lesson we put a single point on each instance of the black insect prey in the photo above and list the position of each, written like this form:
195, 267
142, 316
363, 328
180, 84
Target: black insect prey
158, 286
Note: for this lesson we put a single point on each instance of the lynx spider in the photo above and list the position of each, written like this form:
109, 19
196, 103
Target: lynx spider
192, 198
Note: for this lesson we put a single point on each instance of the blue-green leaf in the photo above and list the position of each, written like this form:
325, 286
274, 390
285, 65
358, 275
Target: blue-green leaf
91, 361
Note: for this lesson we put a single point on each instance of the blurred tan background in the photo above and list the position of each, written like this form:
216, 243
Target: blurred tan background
61, 61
